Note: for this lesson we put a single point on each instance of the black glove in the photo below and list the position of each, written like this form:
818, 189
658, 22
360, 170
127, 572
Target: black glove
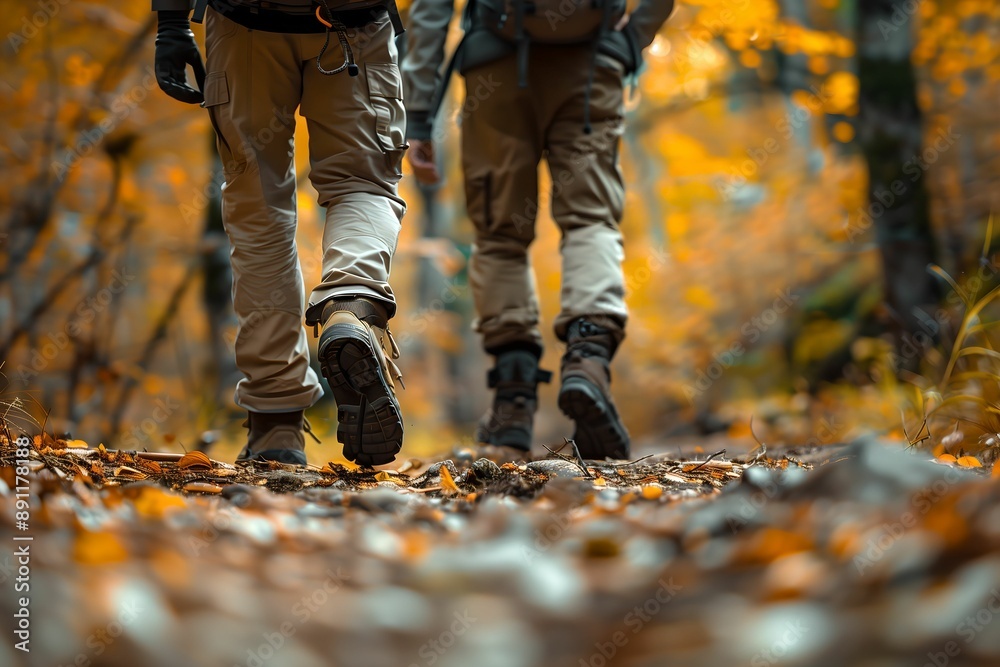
175, 50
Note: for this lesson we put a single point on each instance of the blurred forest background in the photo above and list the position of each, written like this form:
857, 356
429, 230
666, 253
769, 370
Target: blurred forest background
755, 243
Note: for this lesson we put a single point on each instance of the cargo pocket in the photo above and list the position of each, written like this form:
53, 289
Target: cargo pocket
385, 91
217, 103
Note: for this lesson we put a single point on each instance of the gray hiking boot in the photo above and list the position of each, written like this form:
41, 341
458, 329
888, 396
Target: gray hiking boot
585, 394
515, 377
352, 355
276, 437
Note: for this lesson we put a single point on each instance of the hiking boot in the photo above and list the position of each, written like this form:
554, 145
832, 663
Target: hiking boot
352, 357
585, 395
276, 437
515, 377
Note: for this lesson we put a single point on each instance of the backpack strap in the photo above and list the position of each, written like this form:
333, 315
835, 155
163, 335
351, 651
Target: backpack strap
397, 23
522, 44
199, 10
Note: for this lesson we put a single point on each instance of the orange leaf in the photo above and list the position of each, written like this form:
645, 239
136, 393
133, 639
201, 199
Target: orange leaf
969, 462
996, 471
129, 473
947, 458
197, 460
154, 502
448, 482
202, 487
99, 548
652, 492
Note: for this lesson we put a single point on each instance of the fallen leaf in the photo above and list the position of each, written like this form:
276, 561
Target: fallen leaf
383, 476
152, 466
600, 481
129, 473
99, 548
969, 462
201, 487
448, 482
195, 460
154, 502
947, 458
652, 492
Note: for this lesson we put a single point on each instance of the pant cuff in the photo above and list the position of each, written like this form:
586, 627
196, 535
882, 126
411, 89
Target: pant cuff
318, 299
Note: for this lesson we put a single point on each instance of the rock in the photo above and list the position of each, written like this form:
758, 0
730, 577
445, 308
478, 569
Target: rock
556, 468
483, 470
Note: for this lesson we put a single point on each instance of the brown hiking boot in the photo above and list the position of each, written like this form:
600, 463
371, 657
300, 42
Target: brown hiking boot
515, 377
352, 357
585, 395
276, 437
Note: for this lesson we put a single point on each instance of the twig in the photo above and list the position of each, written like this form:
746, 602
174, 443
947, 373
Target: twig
628, 463
579, 462
710, 457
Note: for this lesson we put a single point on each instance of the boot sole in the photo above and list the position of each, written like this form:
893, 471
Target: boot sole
599, 431
370, 425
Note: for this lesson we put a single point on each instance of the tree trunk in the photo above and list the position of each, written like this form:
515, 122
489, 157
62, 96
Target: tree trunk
890, 134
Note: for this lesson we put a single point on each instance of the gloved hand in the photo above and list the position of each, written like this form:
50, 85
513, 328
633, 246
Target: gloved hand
175, 50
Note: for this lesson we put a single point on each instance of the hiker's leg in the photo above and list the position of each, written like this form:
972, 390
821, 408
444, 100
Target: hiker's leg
588, 194
252, 104
356, 147
501, 148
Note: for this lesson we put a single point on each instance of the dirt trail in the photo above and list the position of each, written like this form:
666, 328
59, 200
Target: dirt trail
841, 555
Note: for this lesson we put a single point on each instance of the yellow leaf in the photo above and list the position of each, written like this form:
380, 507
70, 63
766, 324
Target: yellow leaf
947, 458
600, 481
154, 502
969, 462
384, 476
448, 482
99, 548
77, 444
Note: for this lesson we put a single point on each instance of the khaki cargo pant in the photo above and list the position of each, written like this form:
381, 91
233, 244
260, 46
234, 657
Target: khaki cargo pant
255, 82
506, 130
